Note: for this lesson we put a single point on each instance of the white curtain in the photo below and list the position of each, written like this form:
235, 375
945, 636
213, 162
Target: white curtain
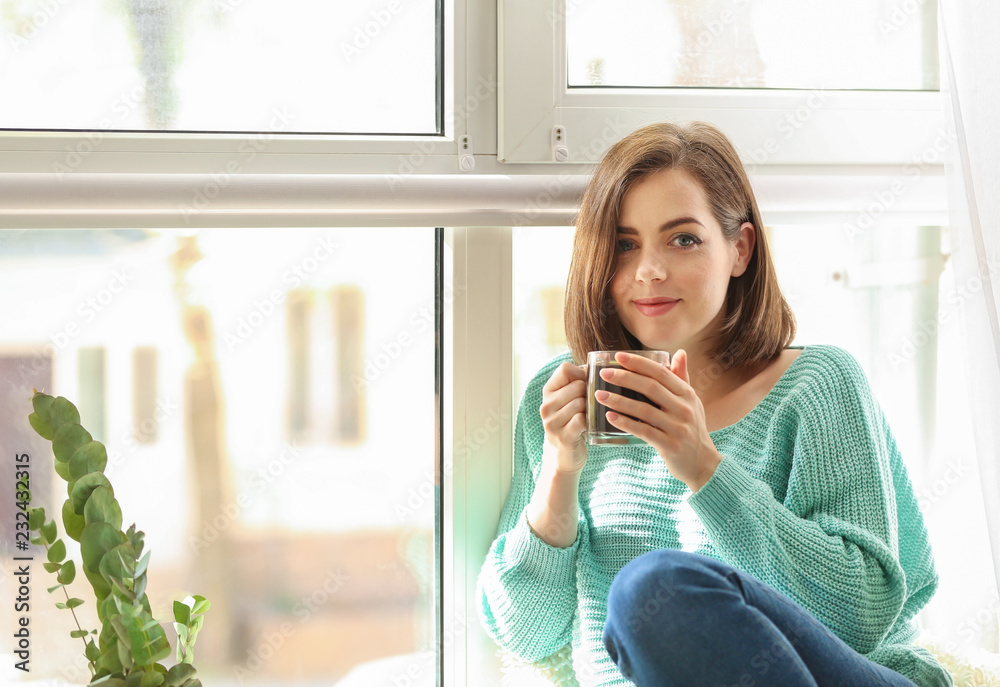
970, 82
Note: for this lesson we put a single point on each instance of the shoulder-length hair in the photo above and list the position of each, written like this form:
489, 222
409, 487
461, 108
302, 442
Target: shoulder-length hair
758, 322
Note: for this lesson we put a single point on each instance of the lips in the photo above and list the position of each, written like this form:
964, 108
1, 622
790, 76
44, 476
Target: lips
654, 301
654, 307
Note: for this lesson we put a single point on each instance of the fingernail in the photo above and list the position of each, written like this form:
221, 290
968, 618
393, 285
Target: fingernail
601, 395
623, 357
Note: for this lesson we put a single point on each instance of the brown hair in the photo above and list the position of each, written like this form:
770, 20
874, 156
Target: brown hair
758, 322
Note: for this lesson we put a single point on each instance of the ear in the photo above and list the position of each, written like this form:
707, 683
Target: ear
743, 248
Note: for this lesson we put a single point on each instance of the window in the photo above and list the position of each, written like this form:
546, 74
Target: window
737, 44
547, 115
501, 153
299, 545
225, 66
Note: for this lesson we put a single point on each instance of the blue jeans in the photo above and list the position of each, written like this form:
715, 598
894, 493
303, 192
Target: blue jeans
679, 618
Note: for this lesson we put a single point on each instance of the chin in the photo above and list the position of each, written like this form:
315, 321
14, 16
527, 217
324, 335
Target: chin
654, 343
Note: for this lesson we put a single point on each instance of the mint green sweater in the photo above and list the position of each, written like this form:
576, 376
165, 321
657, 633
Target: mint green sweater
812, 498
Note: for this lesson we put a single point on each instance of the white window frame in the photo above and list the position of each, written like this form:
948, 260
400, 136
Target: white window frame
870, 127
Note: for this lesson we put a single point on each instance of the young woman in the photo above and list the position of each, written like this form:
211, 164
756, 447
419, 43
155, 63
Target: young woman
767, 533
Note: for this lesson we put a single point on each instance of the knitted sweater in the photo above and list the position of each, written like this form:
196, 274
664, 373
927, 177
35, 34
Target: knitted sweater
811, 497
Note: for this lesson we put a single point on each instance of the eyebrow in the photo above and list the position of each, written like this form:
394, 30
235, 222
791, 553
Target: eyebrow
666, 226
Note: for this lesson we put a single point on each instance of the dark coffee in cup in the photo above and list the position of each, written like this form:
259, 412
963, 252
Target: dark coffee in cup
601, 423
599, 429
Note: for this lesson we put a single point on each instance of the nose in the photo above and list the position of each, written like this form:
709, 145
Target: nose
651, 267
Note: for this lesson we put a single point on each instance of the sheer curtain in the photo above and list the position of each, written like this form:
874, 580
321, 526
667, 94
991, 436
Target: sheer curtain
970, 70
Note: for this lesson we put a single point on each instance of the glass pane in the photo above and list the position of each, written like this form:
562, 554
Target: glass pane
220, 65
882, 295
855, 44
304, 512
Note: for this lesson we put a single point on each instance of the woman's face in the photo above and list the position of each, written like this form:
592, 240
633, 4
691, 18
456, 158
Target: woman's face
673, 264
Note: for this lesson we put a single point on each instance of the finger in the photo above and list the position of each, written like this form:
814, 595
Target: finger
565, 414
679, 366
648, 433
631, 406
650, 368
652, 388
555, 401
564, 374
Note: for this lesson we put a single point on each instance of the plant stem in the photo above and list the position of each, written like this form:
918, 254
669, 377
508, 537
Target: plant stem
92, 664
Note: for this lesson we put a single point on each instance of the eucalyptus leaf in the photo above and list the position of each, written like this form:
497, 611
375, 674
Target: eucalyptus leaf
101, 587
67, 439
116, 564
92, 652
109, 660
125, 654
97, 539
91, 457
36, 518
67, 573
151, 678
182, 612
52, 567
179, 673
109, 681
84, 486
57, 552
106, 608
118, 623
41, 426
41, 403
201, 604
52, 589
76, 634
72, 523
74, 603
139, 587
48, 532
61, 412
102, 507
149, 645
123, 590
62, 469
140, 567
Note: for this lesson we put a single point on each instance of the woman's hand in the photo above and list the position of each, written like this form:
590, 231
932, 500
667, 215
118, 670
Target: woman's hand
564, 415
675, 427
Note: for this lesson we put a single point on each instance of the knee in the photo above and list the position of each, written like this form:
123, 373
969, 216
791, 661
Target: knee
659, 587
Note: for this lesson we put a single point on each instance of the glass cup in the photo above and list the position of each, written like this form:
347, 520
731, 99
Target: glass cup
599, 430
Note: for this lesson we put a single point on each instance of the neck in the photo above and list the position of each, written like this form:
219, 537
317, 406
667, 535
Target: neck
709, 378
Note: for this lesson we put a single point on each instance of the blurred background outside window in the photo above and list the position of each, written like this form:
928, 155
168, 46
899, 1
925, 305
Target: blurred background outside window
220, 65
854, 44
267, 401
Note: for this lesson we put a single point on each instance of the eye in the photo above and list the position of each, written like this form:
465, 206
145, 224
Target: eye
687, 240
625, 245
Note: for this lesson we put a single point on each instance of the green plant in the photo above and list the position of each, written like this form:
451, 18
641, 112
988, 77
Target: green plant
131, 643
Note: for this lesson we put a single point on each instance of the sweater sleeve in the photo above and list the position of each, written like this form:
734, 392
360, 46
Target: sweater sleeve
831, 544
526, 588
